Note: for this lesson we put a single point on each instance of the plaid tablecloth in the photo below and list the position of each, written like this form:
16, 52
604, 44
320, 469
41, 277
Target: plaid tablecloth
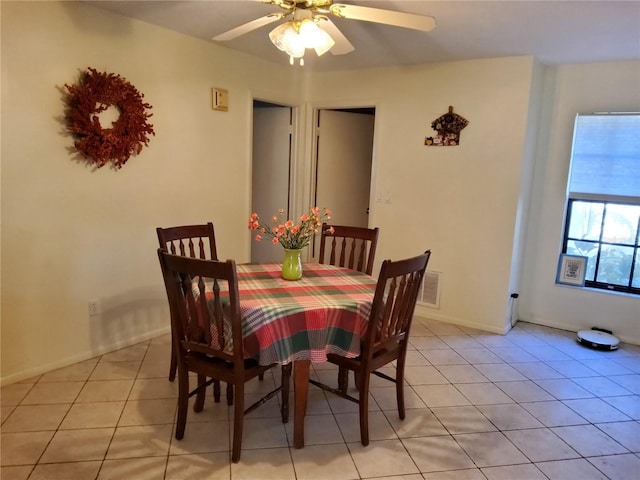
324, 312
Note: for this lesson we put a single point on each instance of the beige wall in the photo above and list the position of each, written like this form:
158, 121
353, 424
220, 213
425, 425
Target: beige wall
459, 201
568, 90
70, 234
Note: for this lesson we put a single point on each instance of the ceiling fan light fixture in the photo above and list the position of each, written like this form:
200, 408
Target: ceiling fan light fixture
295, 36
314, 37
285, 38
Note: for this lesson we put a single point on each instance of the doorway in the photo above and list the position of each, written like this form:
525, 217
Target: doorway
271, 172
343, 165
339, 176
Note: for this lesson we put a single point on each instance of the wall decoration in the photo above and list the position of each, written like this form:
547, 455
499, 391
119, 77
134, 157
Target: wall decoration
94, 94
448, 127
571, 270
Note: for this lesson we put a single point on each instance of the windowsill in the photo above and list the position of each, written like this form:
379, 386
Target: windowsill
601, 290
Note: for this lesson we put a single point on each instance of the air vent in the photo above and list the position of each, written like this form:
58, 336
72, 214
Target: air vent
430, 291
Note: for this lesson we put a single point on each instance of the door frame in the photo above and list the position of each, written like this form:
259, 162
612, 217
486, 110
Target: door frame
313, 153
295, 164
304, 146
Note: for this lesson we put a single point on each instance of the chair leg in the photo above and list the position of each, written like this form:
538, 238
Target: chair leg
343, 379
356, 379
183, 403
229, 394
238, 420
400, 387
216, 391
173, 366
199, 403
286, 378
363, 389
400, 398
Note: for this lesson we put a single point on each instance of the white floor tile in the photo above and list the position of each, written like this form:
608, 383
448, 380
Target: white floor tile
382, 458
589, 441
490, 449
437, 454
334, 459
532, 404
618, 467
578, 468
541, 444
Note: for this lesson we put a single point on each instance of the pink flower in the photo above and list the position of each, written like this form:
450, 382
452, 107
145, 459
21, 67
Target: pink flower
332, 230
285, 231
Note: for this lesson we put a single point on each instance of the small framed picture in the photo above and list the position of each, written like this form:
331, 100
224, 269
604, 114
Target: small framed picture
571, 270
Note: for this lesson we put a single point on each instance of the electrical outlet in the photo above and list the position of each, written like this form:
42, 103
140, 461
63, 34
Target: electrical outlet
94, 308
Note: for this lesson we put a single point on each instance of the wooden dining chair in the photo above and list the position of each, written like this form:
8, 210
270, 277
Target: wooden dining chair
386, 337
196, 241
207, 332
351, 247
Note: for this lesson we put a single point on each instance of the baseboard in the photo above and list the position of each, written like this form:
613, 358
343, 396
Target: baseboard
426, 312
81, 357
633, 340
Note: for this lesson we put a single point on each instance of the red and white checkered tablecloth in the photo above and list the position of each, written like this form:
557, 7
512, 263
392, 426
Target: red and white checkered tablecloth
326, 311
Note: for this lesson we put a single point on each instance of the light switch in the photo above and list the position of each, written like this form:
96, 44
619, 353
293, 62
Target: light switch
220, 99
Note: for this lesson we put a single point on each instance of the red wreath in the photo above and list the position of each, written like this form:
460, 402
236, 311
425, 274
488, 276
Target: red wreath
95, 93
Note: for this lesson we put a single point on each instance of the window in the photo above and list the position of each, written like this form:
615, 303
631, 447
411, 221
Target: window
603, 209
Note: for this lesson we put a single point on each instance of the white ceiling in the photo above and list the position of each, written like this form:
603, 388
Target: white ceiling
575, 31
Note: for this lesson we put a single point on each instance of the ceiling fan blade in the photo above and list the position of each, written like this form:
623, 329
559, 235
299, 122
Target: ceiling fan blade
342, 45
249, 26
388, 17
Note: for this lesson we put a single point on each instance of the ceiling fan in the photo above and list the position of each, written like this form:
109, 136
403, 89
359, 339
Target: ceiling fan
310, 27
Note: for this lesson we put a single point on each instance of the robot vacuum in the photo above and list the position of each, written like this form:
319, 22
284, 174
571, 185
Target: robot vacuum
598, 338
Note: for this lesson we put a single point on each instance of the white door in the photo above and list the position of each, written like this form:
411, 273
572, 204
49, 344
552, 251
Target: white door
344, 156
272, 132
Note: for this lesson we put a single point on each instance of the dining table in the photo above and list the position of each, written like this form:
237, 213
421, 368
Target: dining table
301, 321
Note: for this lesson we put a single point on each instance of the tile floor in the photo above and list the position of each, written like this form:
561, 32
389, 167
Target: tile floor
529, 405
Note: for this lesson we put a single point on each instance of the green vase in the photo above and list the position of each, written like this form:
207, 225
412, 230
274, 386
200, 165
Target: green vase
292, 265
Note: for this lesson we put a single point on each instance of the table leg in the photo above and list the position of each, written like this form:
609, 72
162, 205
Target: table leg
301, 389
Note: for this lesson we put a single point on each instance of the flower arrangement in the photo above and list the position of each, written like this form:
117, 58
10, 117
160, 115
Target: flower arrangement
292, 236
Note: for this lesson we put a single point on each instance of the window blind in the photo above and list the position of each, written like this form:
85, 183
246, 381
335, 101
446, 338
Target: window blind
605, 161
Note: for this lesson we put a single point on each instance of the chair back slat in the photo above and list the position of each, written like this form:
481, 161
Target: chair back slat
195, 241
394, 304
218, 316
350, 247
